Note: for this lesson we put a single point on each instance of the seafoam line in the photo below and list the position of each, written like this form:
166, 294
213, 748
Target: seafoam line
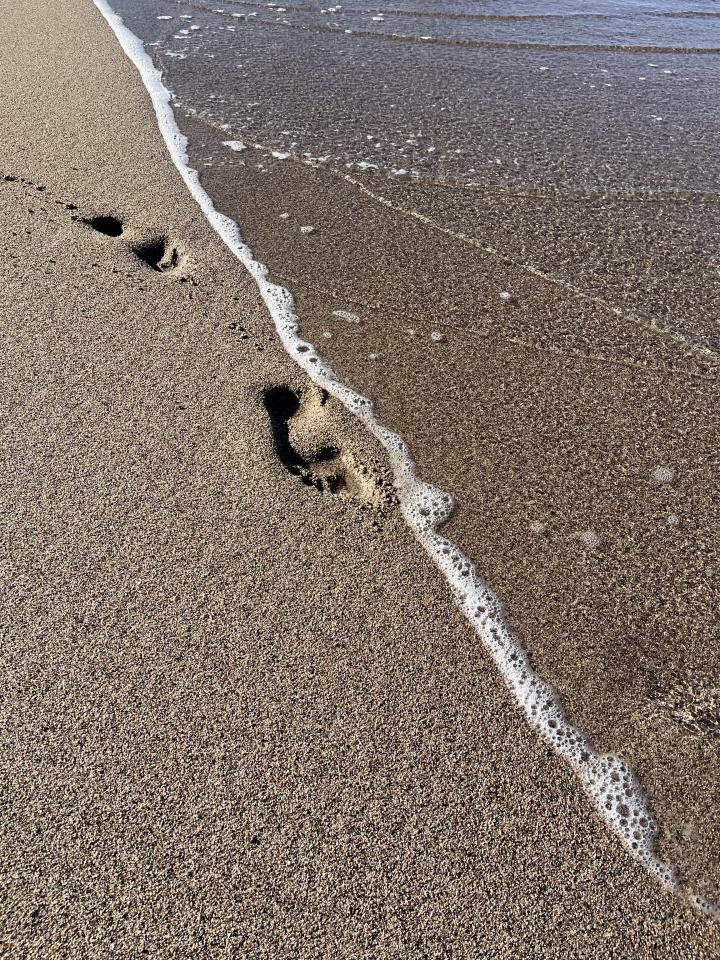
609, 781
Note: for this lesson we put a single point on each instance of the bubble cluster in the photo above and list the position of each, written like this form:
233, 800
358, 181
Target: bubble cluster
664, 474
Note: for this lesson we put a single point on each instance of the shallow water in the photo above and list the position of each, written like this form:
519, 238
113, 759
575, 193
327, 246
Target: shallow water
294, 79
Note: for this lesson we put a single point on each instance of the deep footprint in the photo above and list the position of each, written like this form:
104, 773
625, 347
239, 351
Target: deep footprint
110, 226
158, 254
303, 429
325, 471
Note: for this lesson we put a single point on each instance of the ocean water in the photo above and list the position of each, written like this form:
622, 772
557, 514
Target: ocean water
584, 96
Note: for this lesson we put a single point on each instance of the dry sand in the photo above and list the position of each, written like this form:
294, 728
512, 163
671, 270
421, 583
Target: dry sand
241, 717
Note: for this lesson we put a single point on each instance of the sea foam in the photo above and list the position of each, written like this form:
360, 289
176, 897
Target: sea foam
609, 781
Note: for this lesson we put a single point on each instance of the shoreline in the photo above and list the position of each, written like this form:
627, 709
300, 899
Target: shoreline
426, 509
129, 589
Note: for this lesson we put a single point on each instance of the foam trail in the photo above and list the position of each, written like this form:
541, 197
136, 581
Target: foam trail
609, 781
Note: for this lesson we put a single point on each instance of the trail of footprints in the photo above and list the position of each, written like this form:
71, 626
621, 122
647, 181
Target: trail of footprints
154, 250
304, 423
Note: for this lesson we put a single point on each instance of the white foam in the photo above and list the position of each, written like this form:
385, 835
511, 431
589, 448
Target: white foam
237, 145
279, 155
345, 315
664, 474
608, 781
591, 539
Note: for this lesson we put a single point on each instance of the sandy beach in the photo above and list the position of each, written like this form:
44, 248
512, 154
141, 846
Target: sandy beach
242, 715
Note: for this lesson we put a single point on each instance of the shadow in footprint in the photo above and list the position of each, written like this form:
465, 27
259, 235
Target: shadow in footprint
110, 226
158, 254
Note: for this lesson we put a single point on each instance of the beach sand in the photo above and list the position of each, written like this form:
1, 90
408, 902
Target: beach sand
241, 716
574, 422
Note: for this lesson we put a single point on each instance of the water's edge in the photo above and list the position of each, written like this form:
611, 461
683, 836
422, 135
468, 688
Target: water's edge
609, 781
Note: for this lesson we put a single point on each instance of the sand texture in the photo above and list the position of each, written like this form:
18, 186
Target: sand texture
241, 716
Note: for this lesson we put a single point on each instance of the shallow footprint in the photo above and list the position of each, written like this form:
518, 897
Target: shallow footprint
156, 252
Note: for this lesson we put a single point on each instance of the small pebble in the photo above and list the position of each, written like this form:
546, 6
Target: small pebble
437, 337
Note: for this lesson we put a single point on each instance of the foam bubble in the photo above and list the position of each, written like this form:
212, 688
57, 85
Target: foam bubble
345, 315
664, 474
437, 336
237, 145
307, 230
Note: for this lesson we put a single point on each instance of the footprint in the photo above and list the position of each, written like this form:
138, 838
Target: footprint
159, 254
305, 442
156, 252
693, 702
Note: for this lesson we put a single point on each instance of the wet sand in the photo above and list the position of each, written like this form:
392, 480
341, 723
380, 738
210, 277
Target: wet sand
241, 716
